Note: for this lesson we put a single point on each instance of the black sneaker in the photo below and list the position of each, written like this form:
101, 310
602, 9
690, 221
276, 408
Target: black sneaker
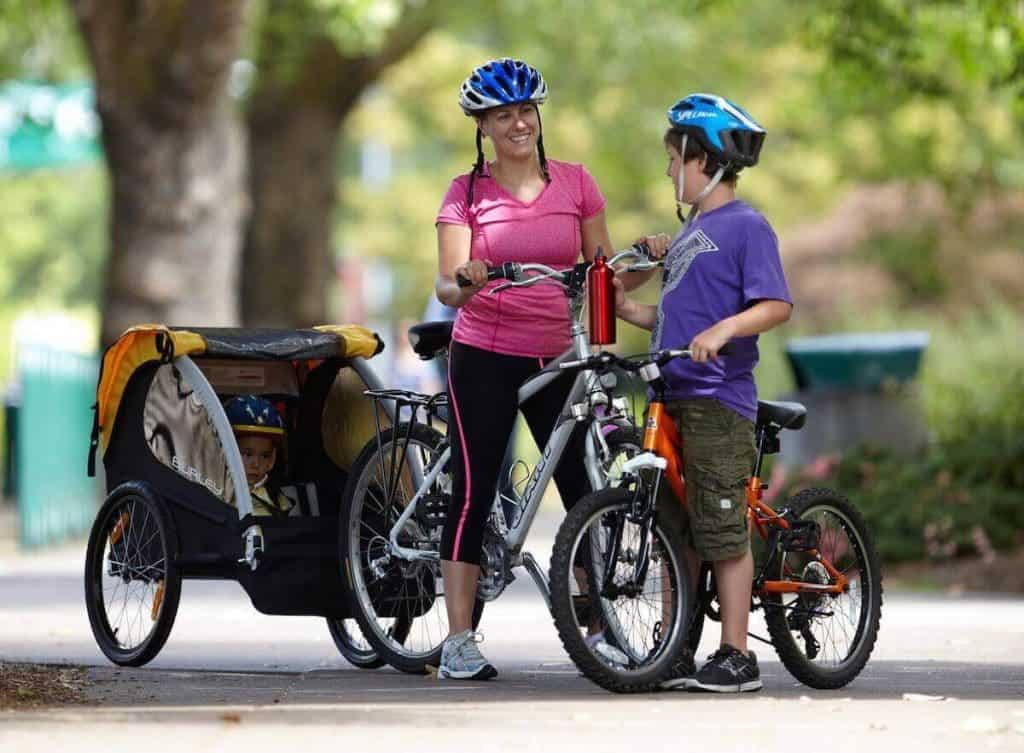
728, 670
683, 672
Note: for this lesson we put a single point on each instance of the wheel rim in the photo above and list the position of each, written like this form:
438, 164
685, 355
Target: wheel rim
404, 602
352, 636
637, 629
131, 575
836, 623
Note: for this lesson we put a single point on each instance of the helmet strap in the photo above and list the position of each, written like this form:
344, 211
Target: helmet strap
695, 207
710, 186
681, 180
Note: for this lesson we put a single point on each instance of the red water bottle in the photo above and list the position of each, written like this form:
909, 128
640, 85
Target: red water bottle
601, 301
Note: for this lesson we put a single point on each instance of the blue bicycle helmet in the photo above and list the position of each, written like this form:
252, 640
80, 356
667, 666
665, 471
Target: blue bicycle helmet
721, 127
251, 414
504, 81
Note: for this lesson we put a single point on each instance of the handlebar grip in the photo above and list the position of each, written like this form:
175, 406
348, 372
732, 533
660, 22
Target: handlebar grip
504, 272
642, 248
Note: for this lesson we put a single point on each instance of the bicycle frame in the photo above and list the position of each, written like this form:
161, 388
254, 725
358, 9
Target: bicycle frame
661, 438
540, 477
575, 409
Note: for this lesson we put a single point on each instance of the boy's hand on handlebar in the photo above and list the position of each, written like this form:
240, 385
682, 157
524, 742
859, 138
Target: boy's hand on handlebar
706, 345
657, 245
473, 271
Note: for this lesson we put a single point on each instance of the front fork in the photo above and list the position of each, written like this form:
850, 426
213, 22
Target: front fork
644, 505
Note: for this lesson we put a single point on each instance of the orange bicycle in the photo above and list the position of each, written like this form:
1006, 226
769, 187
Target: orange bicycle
818, 579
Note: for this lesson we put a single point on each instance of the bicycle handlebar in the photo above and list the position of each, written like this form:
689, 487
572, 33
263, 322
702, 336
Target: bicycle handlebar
515, 272
635, 363
507, 271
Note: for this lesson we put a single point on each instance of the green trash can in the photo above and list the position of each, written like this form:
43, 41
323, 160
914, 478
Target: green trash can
56, 498
858, 362
858, 390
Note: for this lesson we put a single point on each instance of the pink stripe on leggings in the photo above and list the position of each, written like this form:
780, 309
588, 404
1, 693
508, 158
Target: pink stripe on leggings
465, 461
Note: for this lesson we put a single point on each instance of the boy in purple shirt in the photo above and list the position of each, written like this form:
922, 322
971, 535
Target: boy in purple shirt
723, 282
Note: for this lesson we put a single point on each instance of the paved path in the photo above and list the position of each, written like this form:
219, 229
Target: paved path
947, 674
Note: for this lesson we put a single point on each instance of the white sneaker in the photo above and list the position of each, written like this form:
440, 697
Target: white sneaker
605, 650
462, 660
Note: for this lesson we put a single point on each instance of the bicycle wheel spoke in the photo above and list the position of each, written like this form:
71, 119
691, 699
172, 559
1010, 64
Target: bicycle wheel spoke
631, 619
401, 598
837, 622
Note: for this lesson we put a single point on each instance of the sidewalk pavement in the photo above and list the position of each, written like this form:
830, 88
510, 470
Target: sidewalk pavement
65, 557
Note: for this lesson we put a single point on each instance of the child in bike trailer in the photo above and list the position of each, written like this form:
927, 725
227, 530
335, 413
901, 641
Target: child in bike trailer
259, 431
723, 282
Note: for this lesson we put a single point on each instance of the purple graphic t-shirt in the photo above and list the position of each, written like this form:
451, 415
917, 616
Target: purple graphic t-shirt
725, 262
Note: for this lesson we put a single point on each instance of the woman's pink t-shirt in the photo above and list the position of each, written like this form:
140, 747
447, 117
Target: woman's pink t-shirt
533, 321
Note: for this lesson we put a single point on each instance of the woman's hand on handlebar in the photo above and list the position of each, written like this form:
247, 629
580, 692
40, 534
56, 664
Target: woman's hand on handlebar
474, 272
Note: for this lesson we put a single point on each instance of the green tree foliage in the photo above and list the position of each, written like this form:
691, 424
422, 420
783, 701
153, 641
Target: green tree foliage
53, 244
941, 83
613, 70
52, 233
38, 41
315, 59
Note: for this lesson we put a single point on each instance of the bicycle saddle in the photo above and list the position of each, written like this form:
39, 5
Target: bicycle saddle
783, 415
428, 339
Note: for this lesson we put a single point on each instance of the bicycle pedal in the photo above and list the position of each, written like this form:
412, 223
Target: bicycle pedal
801, 536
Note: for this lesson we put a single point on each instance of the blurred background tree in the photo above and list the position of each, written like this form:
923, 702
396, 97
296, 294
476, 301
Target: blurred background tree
175, 155
892, 168
314, 59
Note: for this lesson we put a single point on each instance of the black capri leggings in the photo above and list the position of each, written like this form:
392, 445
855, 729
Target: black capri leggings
482, 387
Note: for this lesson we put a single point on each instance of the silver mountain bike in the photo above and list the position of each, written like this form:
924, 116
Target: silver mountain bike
399, 489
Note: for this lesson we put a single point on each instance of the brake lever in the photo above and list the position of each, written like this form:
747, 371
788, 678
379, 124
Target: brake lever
528, 282
643, 266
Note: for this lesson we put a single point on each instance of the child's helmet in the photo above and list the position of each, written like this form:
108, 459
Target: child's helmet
723, 128
251, 414
504, 81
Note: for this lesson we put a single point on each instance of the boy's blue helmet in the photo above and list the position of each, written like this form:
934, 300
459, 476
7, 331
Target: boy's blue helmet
251, 414
723, 128
504, 81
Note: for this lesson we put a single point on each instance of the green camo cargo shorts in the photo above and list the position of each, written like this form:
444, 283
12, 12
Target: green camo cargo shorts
719, 447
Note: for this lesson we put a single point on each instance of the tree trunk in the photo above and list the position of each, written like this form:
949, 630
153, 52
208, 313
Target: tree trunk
295, 123
175, 152
178, 204
288, 260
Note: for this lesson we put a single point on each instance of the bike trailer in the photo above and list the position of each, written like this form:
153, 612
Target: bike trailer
178, 502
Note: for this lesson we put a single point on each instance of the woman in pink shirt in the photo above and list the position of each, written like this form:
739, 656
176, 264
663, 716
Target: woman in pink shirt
520, 207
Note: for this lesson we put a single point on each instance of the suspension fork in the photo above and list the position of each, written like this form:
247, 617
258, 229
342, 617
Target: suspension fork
644, 504
661, 438
643, 553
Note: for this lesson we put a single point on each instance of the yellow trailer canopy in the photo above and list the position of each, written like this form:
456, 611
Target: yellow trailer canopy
155, 342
